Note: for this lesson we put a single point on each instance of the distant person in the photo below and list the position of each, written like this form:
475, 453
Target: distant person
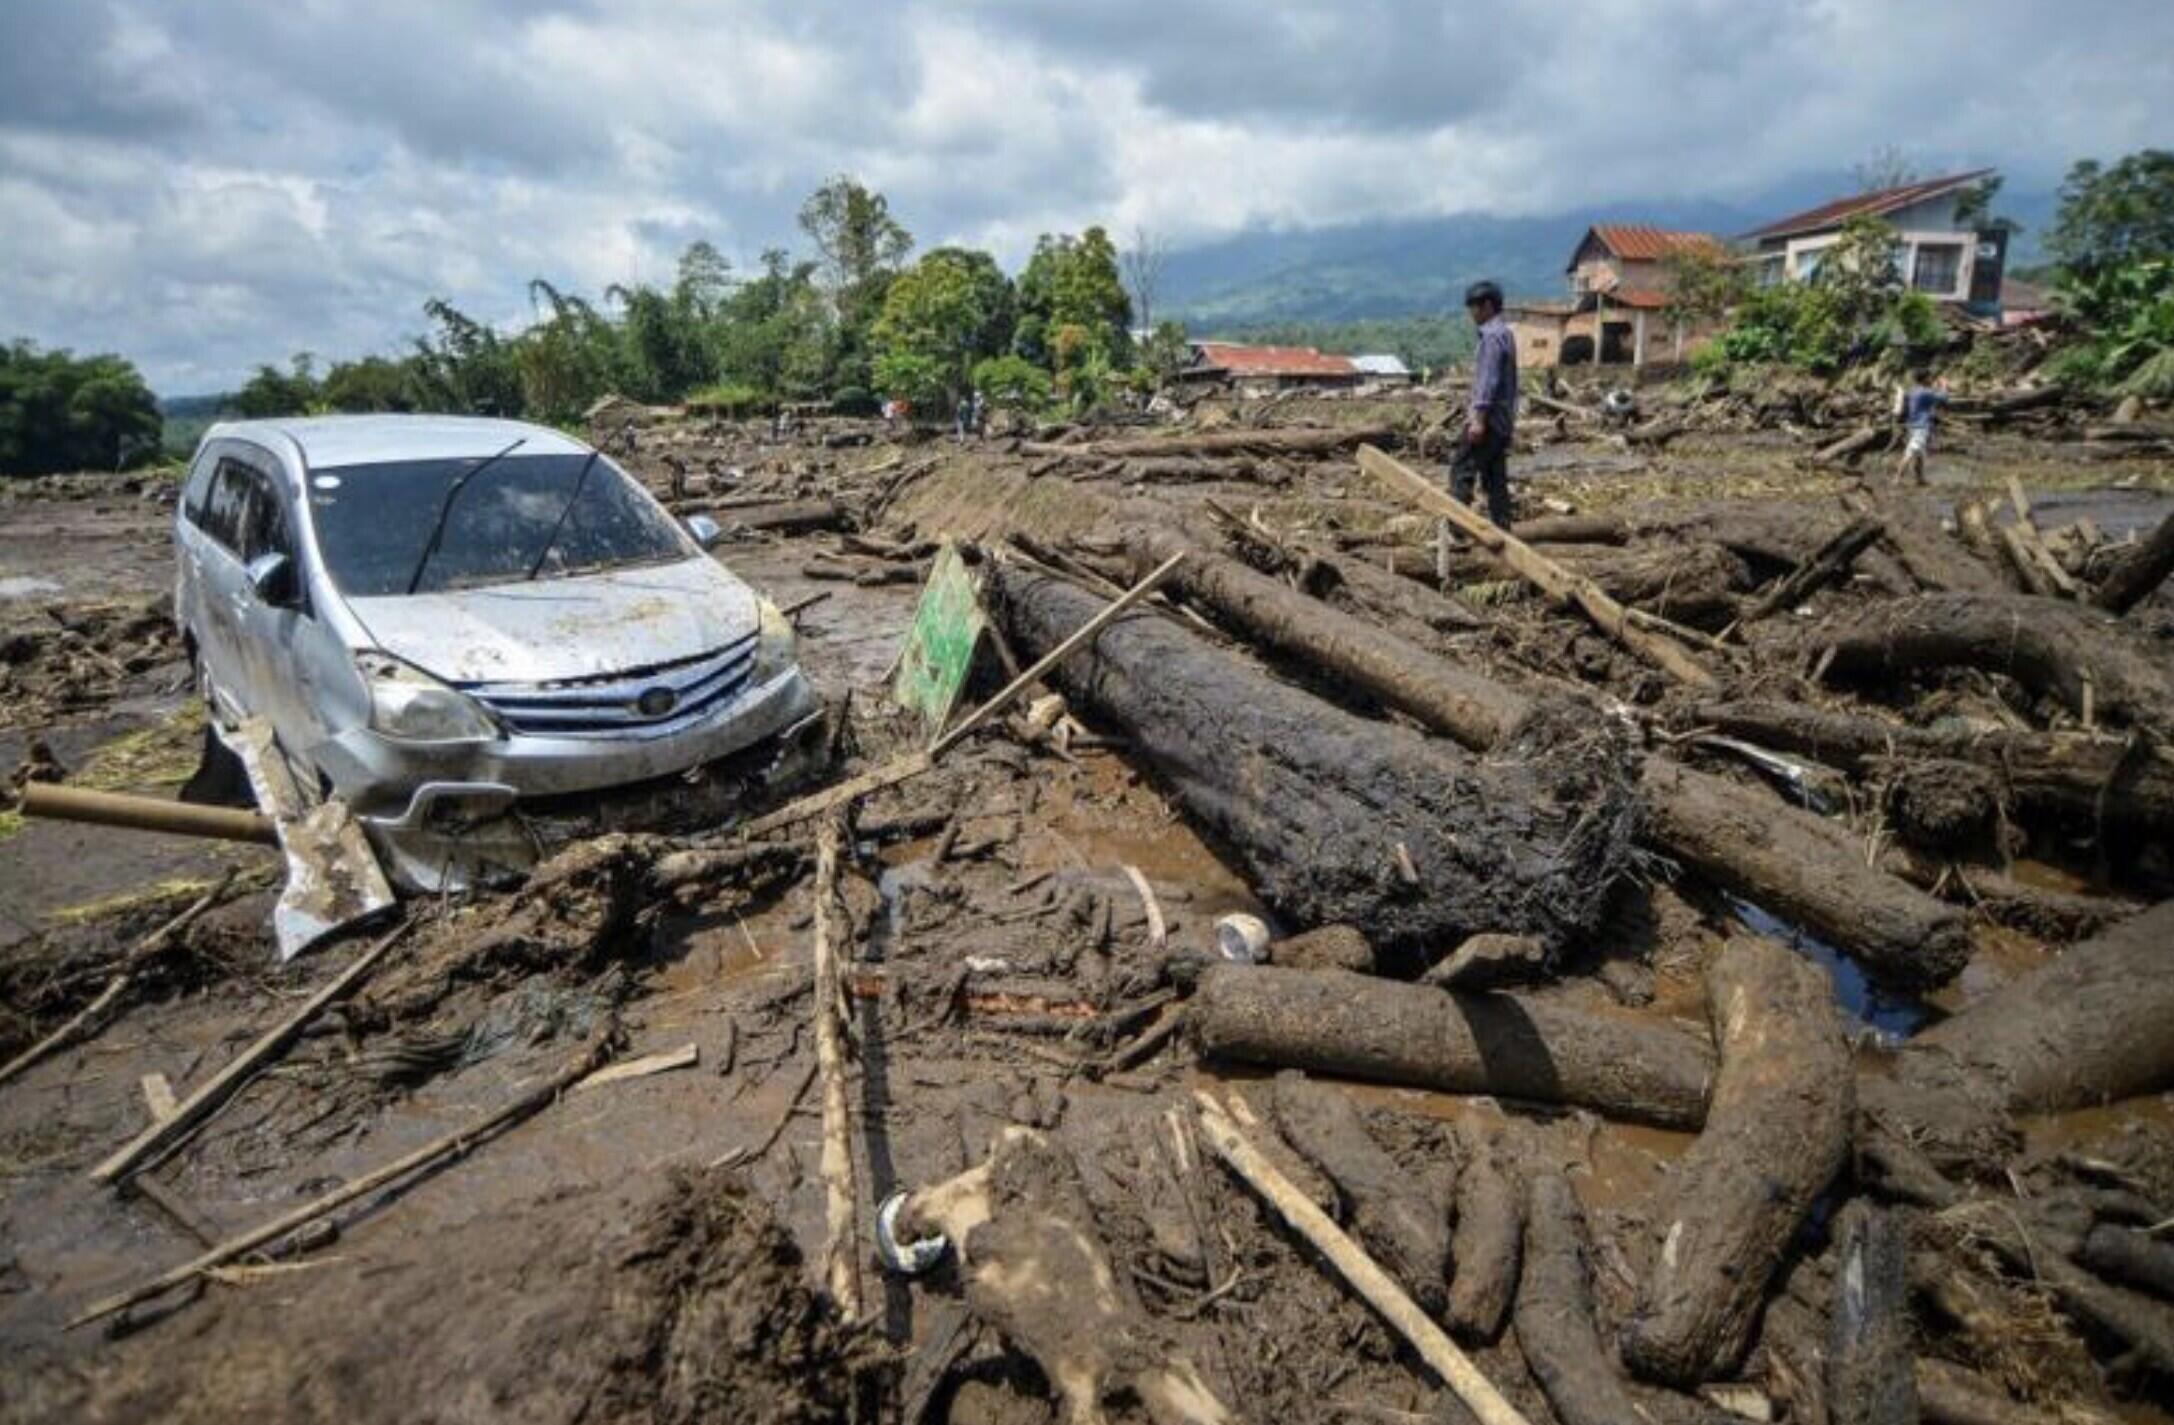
1920, 407
1491, 417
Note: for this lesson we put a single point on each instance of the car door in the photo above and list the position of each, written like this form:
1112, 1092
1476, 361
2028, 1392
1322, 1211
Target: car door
278, 655
220, 606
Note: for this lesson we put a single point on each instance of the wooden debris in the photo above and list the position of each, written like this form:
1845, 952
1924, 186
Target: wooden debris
1487, 1250
686, 1056
1360, 1271
1828, 565
1551, 578
841, 1198
1398, 1219
1870, 1372
1556, 1329
2140, 571
207, 1099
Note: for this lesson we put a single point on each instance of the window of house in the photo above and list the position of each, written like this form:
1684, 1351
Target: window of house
1937, 266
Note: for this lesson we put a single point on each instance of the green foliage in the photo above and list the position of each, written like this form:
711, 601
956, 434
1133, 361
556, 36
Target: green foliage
730, 399
1013, 383
2110, 217
272, 392
1073, 282
375, 383
1165, 352
2127, 313
60, 412
1854, 308
942, 315
1706, 285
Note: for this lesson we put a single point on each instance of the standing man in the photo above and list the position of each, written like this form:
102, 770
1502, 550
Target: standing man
1920, 405
1492, 417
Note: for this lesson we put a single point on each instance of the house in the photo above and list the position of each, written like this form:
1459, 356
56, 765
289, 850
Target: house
1259, 370
1940, 251
1379, 371
1619, 312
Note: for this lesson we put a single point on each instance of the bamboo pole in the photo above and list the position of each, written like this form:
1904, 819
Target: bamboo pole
206, 1100
65, 803
840, 1195
1357, 1268
1536, 568
447, 1145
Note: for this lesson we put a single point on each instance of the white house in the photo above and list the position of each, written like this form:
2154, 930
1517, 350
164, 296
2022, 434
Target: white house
1939, 253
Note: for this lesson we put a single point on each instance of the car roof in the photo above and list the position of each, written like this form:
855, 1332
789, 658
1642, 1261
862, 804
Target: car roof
327, 442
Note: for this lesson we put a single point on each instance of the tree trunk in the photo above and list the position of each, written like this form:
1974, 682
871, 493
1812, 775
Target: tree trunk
1870, 1373
1398, 1219
1828, 566
2134, 1258
2140, 571
1933, 560
1556, 1330
2093, 665
1337, 819
1805, 869
1487, 1249
1776, 1133
1477, 711
1699, 585
1356, 1026
2091, 778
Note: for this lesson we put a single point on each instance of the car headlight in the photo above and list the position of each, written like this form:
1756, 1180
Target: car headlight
775, 646
409, 704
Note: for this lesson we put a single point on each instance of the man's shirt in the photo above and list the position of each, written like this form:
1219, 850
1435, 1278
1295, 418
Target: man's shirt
1919, 405
1494, 378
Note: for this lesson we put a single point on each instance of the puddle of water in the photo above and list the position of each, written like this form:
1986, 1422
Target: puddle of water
1890, 1015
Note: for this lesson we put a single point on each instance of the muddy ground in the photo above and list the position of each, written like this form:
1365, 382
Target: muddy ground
648, 1249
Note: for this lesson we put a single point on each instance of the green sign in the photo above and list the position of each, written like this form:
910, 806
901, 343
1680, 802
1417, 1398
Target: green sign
939, 648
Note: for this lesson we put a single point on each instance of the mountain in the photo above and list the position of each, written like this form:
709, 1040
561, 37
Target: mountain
1420, 266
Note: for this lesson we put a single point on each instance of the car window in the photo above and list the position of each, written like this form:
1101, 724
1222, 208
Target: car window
374, 521
198, 492
223, 507
264, 522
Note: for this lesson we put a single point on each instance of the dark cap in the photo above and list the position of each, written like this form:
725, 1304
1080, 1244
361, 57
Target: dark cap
1480, 292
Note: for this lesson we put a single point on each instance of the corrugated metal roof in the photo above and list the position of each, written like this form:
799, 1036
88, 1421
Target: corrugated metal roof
1885, 200
1636, 242
1272, 360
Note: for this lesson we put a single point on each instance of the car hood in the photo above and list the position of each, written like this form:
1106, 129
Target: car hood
558, 629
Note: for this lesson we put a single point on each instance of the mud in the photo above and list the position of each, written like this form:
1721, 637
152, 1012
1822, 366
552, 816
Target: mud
1001, 974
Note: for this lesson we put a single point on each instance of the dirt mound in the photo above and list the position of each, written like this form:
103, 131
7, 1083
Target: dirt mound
685, 1303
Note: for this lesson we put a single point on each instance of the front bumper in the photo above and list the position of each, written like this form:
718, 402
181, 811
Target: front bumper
404, 785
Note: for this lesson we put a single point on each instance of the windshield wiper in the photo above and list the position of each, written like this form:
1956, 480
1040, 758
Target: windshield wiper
579, 480
445, 508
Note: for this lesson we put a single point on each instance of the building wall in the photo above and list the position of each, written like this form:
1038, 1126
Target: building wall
1929, 227
1539, 339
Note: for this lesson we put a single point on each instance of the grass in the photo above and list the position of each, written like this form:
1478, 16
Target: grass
11, 822
156, 758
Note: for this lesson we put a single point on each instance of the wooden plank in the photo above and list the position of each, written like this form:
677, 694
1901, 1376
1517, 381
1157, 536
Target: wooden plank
1542, 572
686, 1056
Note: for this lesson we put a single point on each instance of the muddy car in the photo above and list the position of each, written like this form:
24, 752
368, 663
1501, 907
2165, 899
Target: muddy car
442, 616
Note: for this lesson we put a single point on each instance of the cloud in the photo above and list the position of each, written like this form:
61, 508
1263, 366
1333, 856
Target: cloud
206, 185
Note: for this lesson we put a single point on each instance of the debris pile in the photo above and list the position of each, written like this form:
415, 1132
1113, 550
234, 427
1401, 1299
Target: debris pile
1703, 952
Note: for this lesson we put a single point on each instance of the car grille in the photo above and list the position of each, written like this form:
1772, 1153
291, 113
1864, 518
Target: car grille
645, 701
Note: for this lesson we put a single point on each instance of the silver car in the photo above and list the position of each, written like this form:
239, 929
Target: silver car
440, 615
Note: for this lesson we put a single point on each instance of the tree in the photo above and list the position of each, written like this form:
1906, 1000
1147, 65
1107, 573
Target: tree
1073, 282
2112, 216
940, 316
59, 412
272, 392
1166, 351
1705, 285
374, 383
1143, 262
1885, 167
466, 369
1013, 383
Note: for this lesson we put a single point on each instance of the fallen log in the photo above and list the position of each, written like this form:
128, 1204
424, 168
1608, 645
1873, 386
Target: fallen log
2093, 665
2087, 1028
1487, 1248
1830, 564
1931, 559
1871, 1378
1947, 1394
2133, 1258
1552, 578
1477, 711
1266, 442
1357, 1026
1396, 1218
1036, 1271
1572, 529
790, 518
1556, 1329
2078, 775
1699, 585
1806, 869
841, 1198
1857, 441
1365, 1276
1327, 812
1183, 470
1776, 1133
2140, 571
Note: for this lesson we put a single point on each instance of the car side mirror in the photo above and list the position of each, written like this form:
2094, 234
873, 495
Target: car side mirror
273, 577
705, 530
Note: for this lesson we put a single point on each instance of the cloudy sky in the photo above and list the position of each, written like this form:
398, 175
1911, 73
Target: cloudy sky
203, 185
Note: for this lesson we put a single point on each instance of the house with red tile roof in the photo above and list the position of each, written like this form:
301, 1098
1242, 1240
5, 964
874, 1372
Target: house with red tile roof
1619, 312
1259, 369
1941, 248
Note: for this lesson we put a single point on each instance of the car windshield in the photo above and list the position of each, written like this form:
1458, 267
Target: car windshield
373, 522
